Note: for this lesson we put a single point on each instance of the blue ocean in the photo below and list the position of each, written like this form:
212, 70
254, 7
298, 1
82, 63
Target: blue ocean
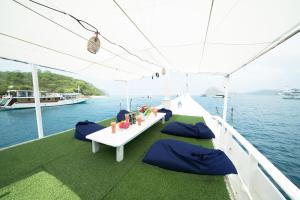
270, 123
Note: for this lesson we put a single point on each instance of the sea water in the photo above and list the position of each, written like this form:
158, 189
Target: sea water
270, 123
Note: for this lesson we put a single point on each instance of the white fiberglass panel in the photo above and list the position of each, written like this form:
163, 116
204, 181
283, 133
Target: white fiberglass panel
176, 34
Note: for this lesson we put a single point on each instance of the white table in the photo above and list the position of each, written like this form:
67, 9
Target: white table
122, 136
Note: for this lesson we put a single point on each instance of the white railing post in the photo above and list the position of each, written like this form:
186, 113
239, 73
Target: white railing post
255, 158
226, 85
127, 96
166, 102
187, 84
228, 140
221, 135
251, 168
36, 92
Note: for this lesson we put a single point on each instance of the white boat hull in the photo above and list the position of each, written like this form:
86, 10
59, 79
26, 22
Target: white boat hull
297, 98
45, 104
290, 94
254, 169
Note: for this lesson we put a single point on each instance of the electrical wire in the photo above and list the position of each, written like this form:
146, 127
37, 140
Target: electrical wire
141, 32
44, 66
78, 35
195, 44
227, 14
70, 55
124, 58
81, 22
284, 37
88, 28
135, 55
238, 44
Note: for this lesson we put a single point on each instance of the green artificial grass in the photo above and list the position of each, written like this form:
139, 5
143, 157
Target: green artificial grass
99, 176
38, 186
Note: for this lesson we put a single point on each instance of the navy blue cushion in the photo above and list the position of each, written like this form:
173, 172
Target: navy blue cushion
85, 128
183, 157
121, 115
200, 130
168, 113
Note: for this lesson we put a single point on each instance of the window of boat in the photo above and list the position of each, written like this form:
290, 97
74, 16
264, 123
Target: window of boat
28, 99
22, 93
3, 102
13, 93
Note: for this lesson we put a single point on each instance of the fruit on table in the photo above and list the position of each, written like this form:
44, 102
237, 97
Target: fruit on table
143, 109
124, 124
147, 112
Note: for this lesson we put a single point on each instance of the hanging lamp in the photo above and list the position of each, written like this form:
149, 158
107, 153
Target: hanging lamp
93, 44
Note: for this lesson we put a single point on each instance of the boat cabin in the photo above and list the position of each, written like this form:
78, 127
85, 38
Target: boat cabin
26, 96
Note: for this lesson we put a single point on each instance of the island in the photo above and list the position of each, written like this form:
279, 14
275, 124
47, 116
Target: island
48, 81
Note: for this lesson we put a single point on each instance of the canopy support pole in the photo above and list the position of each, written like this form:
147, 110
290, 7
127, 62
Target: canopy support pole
166, 102
226, 86
187, 83
127, 96
38, 111
167, 86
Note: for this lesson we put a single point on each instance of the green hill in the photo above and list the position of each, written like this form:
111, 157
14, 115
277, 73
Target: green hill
48, 81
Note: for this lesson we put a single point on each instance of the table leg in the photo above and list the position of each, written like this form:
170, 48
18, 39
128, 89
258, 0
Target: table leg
95, 146
163, 120
120, 153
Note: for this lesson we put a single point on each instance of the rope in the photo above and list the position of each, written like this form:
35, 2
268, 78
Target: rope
67, 54
206, 33
282, 38
141, 32
44, 66
83, 23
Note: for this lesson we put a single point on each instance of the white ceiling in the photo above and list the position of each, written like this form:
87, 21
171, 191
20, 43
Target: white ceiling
178, 30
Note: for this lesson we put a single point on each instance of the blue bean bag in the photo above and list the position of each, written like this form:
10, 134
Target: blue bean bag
199, 130
184, 157
168, 113
84, 128
121, 115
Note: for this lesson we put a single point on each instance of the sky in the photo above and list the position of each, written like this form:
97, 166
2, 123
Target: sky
278, 69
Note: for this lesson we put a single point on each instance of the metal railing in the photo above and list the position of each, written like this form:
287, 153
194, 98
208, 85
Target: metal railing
255, 161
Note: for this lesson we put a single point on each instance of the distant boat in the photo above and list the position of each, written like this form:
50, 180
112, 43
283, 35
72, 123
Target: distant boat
290, 94
219, 96
214, 92
20, 99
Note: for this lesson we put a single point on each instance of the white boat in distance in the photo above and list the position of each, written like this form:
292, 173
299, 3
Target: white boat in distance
219, 96
290, 94
20, 99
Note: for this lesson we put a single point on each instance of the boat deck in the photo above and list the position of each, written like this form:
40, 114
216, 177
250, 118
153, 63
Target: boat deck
61, 167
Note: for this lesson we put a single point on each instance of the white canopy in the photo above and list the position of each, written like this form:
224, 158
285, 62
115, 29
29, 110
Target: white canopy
192, 36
